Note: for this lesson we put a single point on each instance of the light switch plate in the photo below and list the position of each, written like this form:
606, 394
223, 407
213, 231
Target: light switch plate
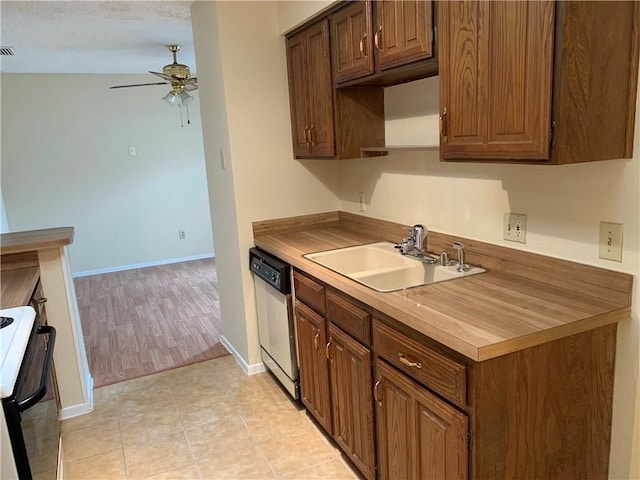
610, 241
515, 227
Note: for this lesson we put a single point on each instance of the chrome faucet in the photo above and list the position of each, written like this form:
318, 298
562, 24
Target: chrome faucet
415, 241
415, 244
419, 235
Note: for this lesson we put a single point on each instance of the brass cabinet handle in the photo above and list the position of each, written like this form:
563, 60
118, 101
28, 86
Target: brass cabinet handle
443, 123
41, 300
362, 39
407, 363
315, 341
311, 141
327, 348
376, 392
306, 135
376, 38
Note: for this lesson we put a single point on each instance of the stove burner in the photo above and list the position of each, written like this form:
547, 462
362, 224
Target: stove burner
5, 321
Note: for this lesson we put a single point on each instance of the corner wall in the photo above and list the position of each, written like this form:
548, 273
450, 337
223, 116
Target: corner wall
245, 113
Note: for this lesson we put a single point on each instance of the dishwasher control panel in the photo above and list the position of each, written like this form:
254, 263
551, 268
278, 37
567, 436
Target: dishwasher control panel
270, 269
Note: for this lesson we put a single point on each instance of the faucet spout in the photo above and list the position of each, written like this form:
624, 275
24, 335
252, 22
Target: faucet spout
419, 234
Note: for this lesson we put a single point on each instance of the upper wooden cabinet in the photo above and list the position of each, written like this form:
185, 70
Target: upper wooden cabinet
311, 92
383, 42
537, 81
352, 42
403, 32
325, 122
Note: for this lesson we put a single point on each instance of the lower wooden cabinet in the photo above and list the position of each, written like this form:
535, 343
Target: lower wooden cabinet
336, 369
429, 413
314, 372
352, 403
419, 435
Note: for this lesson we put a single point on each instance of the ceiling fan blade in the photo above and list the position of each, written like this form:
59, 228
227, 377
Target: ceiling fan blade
190, 87
138, 85
168, 78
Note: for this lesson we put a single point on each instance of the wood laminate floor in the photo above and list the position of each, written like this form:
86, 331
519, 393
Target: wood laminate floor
146, 320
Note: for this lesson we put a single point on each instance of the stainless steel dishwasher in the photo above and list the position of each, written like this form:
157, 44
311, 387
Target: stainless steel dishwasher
276, 324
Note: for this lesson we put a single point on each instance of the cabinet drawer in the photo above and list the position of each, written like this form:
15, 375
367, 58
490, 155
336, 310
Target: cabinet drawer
352, 319
309, 292
441, 374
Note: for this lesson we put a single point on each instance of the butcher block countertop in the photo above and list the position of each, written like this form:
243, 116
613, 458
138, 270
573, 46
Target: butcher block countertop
31, 240
18, 286
521, 301
19, 261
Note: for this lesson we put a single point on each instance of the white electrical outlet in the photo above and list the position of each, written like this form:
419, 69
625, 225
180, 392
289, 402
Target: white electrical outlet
132, 151
515, 227
363, 207
181, 234
610, 245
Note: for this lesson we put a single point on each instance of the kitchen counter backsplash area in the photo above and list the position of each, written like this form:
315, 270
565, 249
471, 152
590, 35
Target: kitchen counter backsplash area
524, 299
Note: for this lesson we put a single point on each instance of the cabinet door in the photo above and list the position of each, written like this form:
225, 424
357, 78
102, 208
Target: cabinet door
403, 32
319, 91
496, 62
314, 372
311, 92
419, 435
350, 366
352, 42
298, 94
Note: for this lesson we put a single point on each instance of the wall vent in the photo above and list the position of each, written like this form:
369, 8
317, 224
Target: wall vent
7, 51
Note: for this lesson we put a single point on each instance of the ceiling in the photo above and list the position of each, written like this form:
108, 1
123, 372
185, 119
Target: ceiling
121, 37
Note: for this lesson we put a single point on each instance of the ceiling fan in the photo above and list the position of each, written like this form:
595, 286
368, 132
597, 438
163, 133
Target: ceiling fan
178, 76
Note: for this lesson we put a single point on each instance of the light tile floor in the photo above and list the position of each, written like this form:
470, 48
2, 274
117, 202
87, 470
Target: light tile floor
204, 421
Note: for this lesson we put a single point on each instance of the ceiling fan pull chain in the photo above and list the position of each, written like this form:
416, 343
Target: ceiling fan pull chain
181, 121
188, 119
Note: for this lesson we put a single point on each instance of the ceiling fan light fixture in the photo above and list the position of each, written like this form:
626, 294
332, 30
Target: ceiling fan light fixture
185, 98
172, 99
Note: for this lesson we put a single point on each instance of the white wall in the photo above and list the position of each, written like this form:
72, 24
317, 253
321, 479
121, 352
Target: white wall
564, 205
291, 13
245, 112
65, 161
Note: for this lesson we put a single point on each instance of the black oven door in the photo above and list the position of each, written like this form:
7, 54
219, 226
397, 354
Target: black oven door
31, 412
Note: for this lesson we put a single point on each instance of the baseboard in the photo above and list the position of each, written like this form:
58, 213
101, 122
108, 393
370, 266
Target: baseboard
121, 268
248, 369
82, 408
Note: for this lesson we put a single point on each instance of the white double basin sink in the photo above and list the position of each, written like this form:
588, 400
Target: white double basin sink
381, 267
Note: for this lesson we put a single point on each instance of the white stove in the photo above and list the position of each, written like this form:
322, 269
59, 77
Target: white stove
13, 343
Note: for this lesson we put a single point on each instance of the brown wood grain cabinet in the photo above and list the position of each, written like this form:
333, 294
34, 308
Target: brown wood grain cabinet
352, 407
537, 81
403, 32
325, 122
336, 370
314, 372
541, 412
311, 92
352, 42
419, 434
428, 412
383, 43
